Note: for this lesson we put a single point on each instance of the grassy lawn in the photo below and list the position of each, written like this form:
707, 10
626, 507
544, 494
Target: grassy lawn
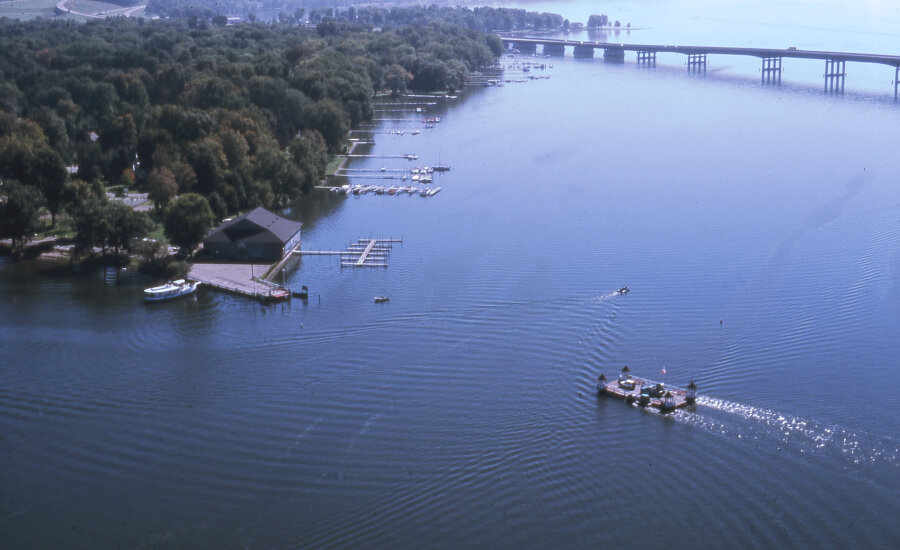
31, 9
27, 9
333, 162
91, 7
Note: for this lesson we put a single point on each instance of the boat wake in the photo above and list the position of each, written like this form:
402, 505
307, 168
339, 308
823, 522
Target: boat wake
804, 436
614, 294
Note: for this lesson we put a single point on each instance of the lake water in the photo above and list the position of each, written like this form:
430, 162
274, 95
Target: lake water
757, 228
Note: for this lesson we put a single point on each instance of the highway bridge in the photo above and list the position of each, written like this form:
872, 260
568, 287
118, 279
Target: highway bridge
835, 62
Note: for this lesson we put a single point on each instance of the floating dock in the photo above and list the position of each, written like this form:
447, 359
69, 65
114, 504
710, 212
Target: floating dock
647, 393
365, 252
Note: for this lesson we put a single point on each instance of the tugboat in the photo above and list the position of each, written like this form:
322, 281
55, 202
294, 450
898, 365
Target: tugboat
646, 392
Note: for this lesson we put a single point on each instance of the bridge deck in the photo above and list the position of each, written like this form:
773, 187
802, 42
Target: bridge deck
891, 60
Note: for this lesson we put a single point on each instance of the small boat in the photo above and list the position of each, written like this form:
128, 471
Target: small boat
275, 295
170, 290
623, 290
381, 299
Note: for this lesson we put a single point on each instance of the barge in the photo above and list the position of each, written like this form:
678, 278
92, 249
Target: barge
647, 393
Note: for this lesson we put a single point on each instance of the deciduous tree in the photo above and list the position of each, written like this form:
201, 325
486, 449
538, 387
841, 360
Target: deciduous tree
19, 207
186, 221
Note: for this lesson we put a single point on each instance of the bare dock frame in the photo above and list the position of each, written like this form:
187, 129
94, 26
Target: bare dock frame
365, 252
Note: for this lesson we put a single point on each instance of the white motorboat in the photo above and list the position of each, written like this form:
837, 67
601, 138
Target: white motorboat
170, 290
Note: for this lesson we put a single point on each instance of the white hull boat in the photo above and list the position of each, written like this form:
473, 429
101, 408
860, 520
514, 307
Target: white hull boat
170, 290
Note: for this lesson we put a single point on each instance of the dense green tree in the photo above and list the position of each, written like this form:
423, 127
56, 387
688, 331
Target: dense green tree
161, 187
329, 119
397, 79
125, 224
242, 114
207, 158
596, 21
10, 97
187, 220
91, 224
19, 208
50, 177
26, 156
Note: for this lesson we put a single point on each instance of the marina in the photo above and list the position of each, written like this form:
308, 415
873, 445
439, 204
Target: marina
393, 190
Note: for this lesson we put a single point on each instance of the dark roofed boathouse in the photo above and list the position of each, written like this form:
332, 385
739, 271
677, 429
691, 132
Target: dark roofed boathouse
258, 235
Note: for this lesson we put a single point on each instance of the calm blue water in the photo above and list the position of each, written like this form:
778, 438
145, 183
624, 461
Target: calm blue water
757, 228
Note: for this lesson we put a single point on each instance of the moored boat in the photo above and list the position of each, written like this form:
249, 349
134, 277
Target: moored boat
170, 290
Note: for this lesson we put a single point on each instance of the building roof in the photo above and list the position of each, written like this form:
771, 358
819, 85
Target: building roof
257, 226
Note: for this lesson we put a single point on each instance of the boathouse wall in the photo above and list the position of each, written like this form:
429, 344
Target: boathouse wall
258, 236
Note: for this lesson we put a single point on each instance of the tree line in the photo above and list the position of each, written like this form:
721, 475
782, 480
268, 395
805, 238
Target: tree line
240, 116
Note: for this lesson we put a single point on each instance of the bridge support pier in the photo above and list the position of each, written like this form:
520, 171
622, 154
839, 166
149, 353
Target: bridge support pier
771, 70
834, 76
646, 58
583, 51
554, 49
614, 55
896, 80
697, 62
525, 47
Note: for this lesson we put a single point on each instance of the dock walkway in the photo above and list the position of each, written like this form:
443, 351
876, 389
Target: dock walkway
234, 278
